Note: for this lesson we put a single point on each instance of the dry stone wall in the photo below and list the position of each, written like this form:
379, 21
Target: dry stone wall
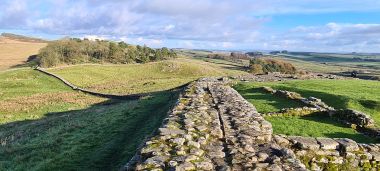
213, 128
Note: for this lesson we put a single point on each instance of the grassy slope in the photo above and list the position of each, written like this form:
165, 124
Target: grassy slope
36, 133
338, 93
102, 137
28, 94
15, 52
98, 135
138, 78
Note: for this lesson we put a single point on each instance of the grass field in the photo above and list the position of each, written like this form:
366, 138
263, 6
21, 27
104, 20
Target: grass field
46, 126
315, 125
15, 52
139, 78
28, 94
356, 94
102, 137
336, 63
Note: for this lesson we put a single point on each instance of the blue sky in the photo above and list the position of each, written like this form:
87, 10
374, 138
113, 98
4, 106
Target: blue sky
296, 25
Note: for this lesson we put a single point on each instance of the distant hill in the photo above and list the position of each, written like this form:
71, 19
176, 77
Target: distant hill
16, 50
23, 38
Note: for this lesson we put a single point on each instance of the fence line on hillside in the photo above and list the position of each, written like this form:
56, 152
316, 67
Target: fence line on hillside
105, 95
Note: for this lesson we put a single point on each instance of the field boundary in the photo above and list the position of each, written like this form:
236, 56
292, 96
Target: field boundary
105, 95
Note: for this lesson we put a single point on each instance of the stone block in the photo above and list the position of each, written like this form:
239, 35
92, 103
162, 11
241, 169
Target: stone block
307, 143
328, 143
347, 144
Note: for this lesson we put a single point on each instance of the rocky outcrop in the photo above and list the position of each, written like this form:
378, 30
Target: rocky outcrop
213, 128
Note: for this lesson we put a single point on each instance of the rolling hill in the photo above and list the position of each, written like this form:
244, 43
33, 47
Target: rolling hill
15, 49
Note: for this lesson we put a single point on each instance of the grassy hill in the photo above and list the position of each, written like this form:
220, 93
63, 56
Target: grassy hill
46, 126
22, 38
15, 50
341, 94
138, 78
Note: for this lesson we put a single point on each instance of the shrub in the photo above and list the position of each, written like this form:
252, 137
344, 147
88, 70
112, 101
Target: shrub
266, 65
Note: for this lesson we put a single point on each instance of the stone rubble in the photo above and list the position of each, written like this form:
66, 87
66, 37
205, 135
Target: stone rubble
332, 153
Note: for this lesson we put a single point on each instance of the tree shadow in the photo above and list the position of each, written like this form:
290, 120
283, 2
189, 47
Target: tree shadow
31, 61
103, 136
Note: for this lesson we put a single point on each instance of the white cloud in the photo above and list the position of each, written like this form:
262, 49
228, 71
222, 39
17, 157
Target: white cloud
95, 37
169, 27
194, 23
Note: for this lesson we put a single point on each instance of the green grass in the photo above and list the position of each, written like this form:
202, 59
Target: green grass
139, 78
26, 82
362, 95
356, 94
335, 63
315, 125
101, 137
28, 94
263, 101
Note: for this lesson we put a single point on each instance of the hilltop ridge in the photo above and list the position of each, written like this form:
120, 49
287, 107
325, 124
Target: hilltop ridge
22, 38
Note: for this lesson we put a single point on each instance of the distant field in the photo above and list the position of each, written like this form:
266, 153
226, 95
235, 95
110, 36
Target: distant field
355, 94
16, 52
139, 78
367, 64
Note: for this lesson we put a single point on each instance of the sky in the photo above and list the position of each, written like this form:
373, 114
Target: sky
294, 25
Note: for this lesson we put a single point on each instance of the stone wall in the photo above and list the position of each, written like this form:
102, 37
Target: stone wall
105, 95
213, 128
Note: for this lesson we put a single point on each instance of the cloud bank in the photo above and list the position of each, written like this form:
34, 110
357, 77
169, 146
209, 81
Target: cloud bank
215, 24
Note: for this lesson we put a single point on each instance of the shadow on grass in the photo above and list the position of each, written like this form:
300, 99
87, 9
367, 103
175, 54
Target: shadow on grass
102, 137
253, 94
324, 118
336, 101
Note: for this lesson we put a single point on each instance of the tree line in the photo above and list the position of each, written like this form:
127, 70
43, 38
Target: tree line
76, 51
